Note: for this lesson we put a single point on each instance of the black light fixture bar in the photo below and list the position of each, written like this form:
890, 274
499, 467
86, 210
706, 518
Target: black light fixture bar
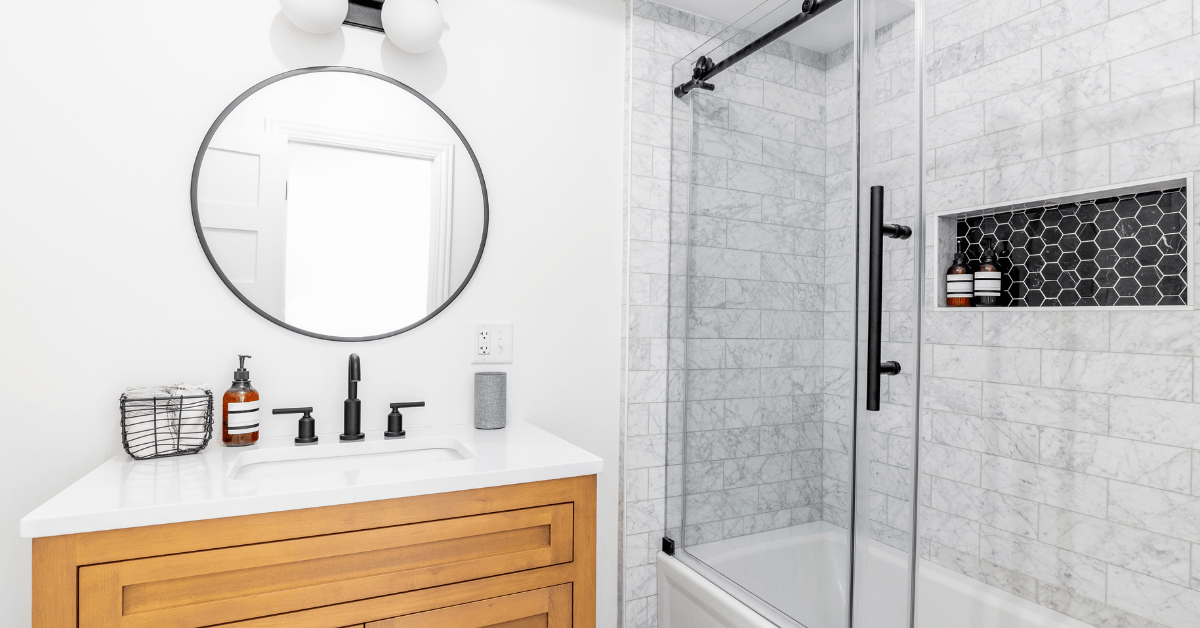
365, 14
706, 69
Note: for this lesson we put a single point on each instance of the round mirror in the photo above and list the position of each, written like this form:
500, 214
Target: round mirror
339, 203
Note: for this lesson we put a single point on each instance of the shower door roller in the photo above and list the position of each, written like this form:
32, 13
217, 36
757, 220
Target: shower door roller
875, 368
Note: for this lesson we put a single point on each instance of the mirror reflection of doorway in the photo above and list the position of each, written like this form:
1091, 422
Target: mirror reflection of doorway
350, 209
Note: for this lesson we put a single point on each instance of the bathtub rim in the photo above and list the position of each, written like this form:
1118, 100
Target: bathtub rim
721, 585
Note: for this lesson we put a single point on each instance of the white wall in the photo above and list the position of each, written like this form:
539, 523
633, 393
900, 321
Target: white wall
104, 285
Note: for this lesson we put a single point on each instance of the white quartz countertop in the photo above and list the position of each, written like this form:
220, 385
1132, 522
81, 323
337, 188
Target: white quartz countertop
275, 475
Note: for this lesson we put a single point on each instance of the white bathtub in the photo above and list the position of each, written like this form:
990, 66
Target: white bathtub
801, 572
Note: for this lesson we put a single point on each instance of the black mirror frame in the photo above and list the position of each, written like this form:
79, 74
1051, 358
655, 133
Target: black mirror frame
229, 284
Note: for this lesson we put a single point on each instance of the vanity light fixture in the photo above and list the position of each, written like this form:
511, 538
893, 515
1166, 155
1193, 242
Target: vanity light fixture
316, 16
412, 25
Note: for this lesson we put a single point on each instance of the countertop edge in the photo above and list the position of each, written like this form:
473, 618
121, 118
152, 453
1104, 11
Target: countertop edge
100, 522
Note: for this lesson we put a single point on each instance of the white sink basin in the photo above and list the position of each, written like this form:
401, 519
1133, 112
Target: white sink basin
374, 457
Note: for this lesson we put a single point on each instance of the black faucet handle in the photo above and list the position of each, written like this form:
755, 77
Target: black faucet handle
292, 410
396, 420
355, 368
306, 430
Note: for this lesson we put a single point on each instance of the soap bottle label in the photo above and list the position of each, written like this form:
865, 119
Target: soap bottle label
987, 287
960, 286
243, 417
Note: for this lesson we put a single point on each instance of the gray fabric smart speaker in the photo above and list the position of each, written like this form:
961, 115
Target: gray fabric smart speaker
491, 400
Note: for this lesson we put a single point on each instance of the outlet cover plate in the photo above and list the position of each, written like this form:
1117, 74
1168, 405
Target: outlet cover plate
498, 341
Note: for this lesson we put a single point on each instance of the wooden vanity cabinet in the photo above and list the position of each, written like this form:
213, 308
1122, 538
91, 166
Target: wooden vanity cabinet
506, 557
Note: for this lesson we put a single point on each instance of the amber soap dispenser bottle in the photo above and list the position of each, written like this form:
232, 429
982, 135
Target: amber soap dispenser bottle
239, 409
960, 282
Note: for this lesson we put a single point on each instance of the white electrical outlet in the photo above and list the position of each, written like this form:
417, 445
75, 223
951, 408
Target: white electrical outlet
493, 343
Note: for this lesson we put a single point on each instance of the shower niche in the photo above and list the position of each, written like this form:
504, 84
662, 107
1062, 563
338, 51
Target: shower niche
1126, 246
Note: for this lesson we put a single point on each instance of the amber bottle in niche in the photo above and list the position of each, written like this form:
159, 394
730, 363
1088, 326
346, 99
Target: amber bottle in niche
987, 279
239, 409
960, 283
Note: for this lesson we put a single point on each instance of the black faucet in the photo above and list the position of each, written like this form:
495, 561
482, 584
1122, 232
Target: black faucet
352, 431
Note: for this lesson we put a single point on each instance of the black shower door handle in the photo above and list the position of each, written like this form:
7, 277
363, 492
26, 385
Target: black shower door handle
875, 368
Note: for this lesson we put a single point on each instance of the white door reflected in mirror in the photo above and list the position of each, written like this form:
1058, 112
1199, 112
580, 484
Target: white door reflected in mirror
340, 204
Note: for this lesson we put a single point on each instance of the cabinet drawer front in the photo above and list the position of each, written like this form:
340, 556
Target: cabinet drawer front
237, 583
544, 608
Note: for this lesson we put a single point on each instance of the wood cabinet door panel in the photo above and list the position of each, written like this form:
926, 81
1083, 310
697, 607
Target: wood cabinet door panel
543, 608
238, 583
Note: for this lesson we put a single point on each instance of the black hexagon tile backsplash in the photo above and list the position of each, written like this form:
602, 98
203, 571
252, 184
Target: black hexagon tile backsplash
1122, 250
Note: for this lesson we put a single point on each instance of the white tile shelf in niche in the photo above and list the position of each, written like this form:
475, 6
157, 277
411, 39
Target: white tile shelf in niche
944, 225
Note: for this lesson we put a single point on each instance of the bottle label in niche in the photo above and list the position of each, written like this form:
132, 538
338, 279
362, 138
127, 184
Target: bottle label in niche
960, 285
243, 417
987, 284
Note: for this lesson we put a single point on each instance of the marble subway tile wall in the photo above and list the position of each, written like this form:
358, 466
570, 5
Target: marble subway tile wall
1061, 449
756, 314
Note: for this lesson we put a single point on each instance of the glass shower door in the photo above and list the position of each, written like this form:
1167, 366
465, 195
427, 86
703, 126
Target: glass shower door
773, 459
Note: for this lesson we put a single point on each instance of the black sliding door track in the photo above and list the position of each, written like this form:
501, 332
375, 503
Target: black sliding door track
705, 69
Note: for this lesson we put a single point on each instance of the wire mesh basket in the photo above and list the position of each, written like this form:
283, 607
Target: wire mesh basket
159, 427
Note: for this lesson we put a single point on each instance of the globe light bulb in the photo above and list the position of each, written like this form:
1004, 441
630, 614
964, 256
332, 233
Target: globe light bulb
413, 25
316, 16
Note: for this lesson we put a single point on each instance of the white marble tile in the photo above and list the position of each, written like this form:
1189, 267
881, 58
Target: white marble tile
1156, 155
1145, 552
957, 192
1047, 24
726, 263
988, 364
998, 149
675, 41
1137, 116
762, 122
1087, 331
1141, 30
1050, 408
1166, 603
946, 529
1156, 510
721, 323
1086, 168
644, 516
723, 203
995, 509
953, 395
992, 436
951, 463
761, 179
794, 213
726, 144
954, 560
1069, 570
652, 67
956, 126
797, 157
1089, 611
953, 60
1046, 485
778, 97
974, 18
1171, 64
1161, 377
954, 328
1163, 333
1014, 582
723, 383
993, 80
792, 268
1147, 464
740, 89
1087, 88
649, 193
755, 236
